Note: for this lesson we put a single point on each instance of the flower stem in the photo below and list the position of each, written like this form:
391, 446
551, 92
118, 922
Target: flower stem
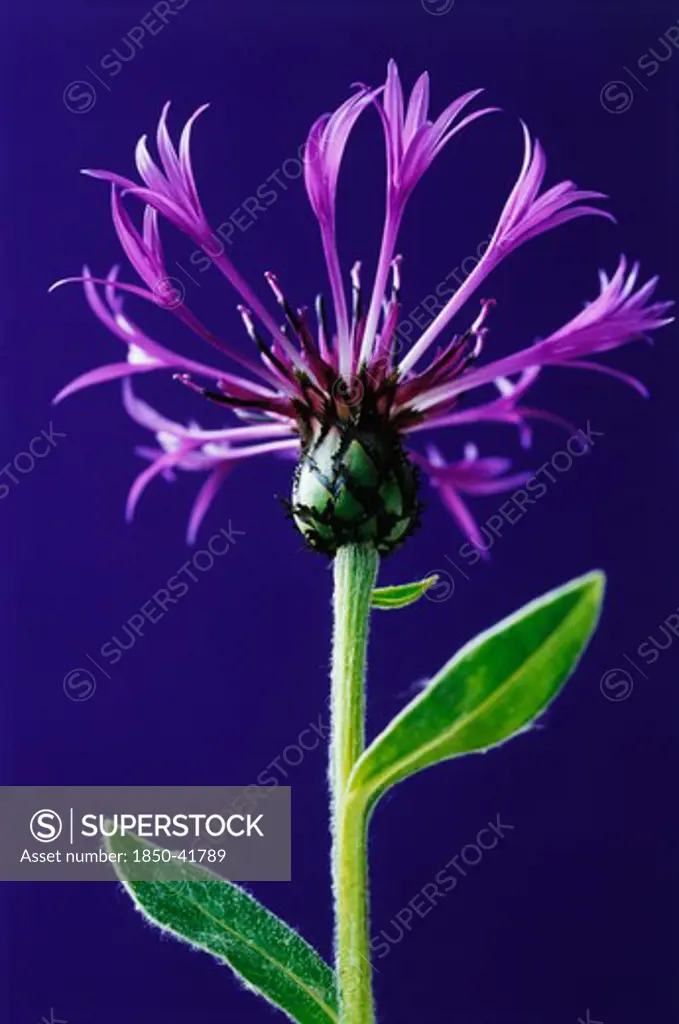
355, 570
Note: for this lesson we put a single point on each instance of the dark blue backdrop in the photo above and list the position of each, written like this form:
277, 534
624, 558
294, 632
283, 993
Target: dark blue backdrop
572, 913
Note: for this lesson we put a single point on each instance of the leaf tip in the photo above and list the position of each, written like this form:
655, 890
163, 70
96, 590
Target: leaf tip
592, 583
595, 581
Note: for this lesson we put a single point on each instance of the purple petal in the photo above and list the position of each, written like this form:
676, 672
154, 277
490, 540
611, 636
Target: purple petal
624, 378
617, 317
204, 499
393, 109
418, 108
458, 509
149, 173
141, 482
144, 414
102, 374
139, 255
168, 154
151, 235
110, 176
446, 118
185, 156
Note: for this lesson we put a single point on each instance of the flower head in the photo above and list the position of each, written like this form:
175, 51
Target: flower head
333, 392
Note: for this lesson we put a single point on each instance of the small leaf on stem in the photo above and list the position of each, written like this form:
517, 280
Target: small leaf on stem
402, 595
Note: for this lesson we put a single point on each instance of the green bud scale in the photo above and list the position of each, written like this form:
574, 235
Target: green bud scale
354, 485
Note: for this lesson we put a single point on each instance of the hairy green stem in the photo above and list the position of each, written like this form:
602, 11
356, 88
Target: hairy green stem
355, 570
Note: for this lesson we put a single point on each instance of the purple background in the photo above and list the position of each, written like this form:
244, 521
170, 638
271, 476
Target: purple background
573, 910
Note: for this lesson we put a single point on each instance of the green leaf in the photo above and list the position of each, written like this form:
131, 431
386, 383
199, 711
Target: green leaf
489, 691
403, 595
217, 916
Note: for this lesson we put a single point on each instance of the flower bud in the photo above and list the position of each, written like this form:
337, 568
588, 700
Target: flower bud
354, 486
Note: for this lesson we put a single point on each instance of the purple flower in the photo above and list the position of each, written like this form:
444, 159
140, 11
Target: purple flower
335, 393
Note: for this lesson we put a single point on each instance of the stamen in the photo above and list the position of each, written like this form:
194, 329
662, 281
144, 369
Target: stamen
216, 396
396, 278
273, 284
265, 351
356, 291
479, 332
385, 350
322, 329
187, 380
486, 304
290, 314
322, 372
451, 361
238, 403
357, 313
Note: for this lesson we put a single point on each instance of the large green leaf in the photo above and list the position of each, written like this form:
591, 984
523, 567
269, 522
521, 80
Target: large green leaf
491, 690
402, 595
223, 919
